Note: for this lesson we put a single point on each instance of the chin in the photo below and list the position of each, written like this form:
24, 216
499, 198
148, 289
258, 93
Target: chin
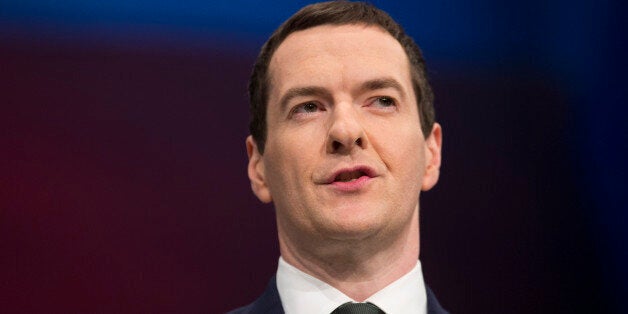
353, 229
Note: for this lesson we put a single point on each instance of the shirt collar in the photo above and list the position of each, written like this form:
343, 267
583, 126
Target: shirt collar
302, 293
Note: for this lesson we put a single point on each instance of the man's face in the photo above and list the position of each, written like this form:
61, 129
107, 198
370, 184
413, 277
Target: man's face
345, 157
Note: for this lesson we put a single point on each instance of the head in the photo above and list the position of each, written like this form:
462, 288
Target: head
335, 13
338, 140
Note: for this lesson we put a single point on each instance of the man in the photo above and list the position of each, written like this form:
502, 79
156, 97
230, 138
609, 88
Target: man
343, 140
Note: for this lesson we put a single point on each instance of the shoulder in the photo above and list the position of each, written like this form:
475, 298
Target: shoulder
269, 302
433, 307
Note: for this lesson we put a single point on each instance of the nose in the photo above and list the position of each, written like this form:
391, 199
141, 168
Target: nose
346, 132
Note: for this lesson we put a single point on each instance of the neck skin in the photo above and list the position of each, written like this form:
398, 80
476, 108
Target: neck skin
357, 268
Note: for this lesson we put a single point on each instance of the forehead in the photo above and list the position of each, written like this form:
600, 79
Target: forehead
343, 54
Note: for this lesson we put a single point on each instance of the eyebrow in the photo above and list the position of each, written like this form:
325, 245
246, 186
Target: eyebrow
382, 83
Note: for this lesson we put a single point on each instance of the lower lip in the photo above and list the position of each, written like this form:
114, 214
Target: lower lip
351, 186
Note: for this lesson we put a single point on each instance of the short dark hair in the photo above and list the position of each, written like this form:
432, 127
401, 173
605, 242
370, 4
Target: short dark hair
335, 13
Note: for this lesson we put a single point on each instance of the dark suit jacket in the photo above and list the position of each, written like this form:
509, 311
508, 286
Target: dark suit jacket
270, 303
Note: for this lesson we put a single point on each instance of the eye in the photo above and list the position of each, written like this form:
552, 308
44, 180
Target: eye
306, 108
384, 102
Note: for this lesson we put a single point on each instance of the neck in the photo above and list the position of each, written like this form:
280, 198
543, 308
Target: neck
357, 268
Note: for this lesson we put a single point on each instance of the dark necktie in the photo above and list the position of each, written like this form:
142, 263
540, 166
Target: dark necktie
358, 308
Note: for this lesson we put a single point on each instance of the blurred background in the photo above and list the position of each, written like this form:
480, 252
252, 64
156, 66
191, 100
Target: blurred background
123, 186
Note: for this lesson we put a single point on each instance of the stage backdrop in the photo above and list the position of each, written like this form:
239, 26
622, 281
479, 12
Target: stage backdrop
123, 184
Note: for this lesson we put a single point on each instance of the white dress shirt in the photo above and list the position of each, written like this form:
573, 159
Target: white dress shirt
301, 293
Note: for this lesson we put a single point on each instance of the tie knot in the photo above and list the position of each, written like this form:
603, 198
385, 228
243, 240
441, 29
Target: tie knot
358, 308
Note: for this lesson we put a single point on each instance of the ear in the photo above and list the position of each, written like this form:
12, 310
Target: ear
256, 171
433, 145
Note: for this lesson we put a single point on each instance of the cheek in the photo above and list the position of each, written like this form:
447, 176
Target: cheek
405, 157
413, 162
288, 159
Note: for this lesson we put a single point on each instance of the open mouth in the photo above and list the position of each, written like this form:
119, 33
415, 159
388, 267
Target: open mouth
349, 176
